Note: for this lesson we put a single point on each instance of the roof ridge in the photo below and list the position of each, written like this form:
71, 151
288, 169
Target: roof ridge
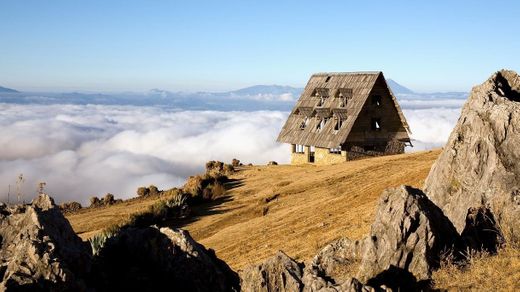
348, 73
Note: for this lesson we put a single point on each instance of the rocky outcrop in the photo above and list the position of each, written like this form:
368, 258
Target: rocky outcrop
149, 259
41, 252
279, 273
480, 164
334, 265
39, 249
403, 248
406, 239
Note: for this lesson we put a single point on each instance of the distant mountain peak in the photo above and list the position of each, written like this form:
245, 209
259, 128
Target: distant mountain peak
267, 89
8, 90
398, 88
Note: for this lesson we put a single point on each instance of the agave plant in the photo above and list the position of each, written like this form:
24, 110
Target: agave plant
176, 201
97, 242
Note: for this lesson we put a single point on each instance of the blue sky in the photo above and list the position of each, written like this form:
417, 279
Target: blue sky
221, 45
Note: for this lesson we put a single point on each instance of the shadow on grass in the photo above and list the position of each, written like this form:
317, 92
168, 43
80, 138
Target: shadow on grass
233, 183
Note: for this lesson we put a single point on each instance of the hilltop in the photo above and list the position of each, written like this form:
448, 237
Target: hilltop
297, 209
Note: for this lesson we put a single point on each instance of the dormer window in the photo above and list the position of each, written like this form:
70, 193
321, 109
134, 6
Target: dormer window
304, 123
342, 100
321, 101
337, 127
343, 95
321, 124
376, 100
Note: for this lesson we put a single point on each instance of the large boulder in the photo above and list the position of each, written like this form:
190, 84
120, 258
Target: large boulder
39, 249
149, 259
279, 273
406, 239
480, 164
404, 246
334, 266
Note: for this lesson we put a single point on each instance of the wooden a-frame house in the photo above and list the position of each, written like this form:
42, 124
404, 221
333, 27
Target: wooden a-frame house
343, 116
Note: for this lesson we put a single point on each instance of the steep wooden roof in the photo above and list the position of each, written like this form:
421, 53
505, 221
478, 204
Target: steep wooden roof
355, 86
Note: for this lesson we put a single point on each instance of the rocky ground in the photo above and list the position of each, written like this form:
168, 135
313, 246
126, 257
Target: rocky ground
470, 203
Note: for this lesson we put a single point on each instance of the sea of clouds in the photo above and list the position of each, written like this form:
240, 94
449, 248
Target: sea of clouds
81, 150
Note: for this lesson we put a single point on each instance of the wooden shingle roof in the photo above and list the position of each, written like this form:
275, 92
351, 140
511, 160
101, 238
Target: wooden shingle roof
355, 87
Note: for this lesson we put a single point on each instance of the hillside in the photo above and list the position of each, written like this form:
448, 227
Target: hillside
305, 207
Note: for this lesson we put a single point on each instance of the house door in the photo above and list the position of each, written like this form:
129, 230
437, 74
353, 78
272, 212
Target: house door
311, 154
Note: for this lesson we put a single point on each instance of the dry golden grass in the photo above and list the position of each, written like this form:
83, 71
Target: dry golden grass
299, 209
484, 273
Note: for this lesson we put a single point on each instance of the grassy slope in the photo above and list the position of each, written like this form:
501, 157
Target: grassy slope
299, 209
315, 204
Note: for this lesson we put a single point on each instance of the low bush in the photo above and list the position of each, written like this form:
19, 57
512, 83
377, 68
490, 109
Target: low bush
175, 207
70, 206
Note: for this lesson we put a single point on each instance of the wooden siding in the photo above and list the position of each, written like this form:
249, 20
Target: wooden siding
356, 87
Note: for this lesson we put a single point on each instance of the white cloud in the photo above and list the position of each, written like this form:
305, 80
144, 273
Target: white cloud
85, 150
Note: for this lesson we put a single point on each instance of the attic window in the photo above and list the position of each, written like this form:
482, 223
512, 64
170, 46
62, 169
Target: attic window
328, 78
376, 124
376, 100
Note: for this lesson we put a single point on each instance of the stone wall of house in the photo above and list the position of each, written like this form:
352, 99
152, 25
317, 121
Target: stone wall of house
322, 156
299, 158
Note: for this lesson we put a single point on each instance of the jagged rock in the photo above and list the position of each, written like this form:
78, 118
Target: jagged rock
480, 164
405, 241
149, 259
334, 264
279, 273
39, 249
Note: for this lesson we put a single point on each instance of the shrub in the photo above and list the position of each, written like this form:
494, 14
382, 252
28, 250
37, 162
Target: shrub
108, 199
70, 206
142, 191
218, 190
272, 163
173, 192
175, 207
235, 162
214, 166
95, 202
153, 190
228, 169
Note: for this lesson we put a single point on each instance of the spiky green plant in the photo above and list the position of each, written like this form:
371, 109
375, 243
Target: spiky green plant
97, 242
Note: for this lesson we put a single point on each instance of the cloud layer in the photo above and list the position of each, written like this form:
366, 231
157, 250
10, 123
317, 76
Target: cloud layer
86, 150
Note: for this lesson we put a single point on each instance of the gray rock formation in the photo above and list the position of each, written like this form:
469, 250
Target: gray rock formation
406, 239
149, 259
480, 164
403, 248
279, 273
39, 249
333, 267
